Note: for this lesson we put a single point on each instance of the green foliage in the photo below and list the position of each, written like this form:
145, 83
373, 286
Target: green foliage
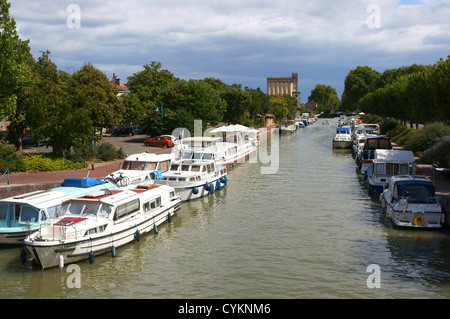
326, 97
358, 83
9, 159
439, 153
50, 162
186, 101
415, 93
423, 139
107, 152
387, 126
14, 62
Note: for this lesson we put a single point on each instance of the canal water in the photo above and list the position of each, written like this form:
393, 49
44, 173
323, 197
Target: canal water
309, 230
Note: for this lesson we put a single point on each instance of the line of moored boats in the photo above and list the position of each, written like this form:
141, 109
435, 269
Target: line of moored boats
85, 217
409, 200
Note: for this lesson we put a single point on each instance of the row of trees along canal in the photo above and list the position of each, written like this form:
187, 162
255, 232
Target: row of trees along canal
416, 93
67, 109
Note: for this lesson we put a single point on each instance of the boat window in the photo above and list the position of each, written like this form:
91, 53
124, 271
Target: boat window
127, 208
209, 168
172, 194
140, 166
404, 169
29, 214
417, 194
172, 179
53, 211
391, 168
104, 211
192, 179
197, 156
197, 178
195, 168
3, 211
185, 168
379, 168
208, 156
174, 167
204, 169
187, 155
164, 166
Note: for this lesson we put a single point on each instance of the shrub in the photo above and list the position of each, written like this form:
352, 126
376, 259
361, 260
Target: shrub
49, 162
9, 159
107, 152
387, 126
439, 153
427, 137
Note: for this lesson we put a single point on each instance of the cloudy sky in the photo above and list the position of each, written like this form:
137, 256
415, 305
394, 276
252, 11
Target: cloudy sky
238, 41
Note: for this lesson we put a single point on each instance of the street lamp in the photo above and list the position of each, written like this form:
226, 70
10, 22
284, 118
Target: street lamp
163, 113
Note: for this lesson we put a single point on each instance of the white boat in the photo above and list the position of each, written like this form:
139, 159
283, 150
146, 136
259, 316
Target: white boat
225, 153
287, 127
100, 222
388, 163
141, 168
193, 179
366, 154
410, 201
24, 214
343, 138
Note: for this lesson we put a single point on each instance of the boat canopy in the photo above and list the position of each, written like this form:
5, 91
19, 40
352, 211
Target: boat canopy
343, 129
397, 156
81, 182
416, 189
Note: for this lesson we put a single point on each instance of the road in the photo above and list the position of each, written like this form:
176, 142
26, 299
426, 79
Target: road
129, 144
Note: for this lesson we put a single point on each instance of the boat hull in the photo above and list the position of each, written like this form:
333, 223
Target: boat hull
342, 144
192, 191
47, 253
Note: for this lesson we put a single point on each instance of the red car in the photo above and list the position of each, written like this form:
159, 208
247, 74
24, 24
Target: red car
162, 141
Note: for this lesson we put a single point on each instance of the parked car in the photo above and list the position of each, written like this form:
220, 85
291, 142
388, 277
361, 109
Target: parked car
28, 140
172, 138
137, 130
123, 131
162, 141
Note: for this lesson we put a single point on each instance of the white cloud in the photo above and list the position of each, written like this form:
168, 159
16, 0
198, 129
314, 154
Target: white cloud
235, 41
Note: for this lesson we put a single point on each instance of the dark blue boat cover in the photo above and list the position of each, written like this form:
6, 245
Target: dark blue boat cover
81, 182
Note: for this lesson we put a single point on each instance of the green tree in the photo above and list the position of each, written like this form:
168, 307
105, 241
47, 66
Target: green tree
50, 111
186, 101
358, 83
15, 61
237, 109
259, 104
283, 107
96, 94
147, 83
326, 97
440, 90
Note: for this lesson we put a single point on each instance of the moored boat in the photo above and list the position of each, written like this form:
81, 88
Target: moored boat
388, 163
366, 154
141, 168
410, 201
193, 179
287, 127
24, 214
343, 138
99, 222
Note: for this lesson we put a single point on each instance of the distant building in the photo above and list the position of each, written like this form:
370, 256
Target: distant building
122, 87
284, 85
311, 106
